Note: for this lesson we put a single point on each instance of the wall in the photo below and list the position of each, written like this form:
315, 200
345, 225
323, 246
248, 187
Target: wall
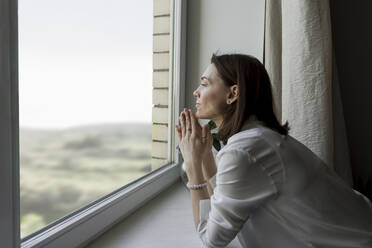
352, 39
160, 82
226, 26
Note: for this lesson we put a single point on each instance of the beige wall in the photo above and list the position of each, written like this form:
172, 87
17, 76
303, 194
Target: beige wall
160, 82
227, 26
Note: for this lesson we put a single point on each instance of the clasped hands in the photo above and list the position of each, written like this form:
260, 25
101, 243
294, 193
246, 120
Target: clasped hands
195, 141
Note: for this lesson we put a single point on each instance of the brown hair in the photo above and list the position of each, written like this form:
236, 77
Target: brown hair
255, 96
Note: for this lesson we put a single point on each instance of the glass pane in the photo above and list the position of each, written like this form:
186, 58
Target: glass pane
85, 92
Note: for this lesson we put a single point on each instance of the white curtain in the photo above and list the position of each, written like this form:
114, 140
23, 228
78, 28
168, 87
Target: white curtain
299, 59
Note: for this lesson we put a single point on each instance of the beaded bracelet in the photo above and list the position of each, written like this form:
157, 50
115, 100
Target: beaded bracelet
197, 186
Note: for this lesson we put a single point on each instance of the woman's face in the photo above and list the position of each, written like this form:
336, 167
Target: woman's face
211, 95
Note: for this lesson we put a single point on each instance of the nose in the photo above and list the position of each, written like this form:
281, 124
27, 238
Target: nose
196, 93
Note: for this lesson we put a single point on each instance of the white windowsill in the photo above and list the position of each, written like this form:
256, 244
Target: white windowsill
165, 221
79, 228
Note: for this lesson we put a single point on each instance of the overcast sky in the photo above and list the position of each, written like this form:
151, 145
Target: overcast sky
84, 62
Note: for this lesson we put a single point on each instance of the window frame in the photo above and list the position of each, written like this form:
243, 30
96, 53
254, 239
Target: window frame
82, 226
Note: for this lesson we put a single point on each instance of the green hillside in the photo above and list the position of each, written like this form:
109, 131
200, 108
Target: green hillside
63, 170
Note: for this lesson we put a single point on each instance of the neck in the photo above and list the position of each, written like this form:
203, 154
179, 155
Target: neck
218, 122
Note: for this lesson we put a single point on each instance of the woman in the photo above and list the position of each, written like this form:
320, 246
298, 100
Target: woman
269, 189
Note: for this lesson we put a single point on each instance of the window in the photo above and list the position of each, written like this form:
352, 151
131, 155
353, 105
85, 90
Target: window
79, 155
84, 103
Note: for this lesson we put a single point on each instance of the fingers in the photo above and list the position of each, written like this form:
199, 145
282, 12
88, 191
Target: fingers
188, 123
205, 133
182, 121
194, 121
209, 135
179, 132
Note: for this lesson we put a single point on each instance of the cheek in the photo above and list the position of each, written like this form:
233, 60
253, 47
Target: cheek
211, 99
207, 96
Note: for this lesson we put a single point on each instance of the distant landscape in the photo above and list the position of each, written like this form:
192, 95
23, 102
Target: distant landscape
63, 170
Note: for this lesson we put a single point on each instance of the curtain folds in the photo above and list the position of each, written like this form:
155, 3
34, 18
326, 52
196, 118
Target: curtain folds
298, 57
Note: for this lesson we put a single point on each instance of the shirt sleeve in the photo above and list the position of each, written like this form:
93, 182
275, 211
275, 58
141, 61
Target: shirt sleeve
241, 186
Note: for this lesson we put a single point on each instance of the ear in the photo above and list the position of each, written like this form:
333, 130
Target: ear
233, 94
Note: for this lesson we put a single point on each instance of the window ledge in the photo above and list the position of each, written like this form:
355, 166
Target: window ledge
165, 221
82, 226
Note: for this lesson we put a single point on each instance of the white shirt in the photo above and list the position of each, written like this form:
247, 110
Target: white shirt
270, 191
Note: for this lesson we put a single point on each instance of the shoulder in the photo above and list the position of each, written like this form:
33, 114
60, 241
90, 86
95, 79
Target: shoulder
254, 141
255, 147
240, 177
232, 156
241, 144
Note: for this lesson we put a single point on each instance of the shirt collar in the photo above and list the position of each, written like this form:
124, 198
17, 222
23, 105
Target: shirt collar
250, 123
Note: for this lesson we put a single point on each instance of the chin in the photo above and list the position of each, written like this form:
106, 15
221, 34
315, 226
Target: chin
201, 115
198, 115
